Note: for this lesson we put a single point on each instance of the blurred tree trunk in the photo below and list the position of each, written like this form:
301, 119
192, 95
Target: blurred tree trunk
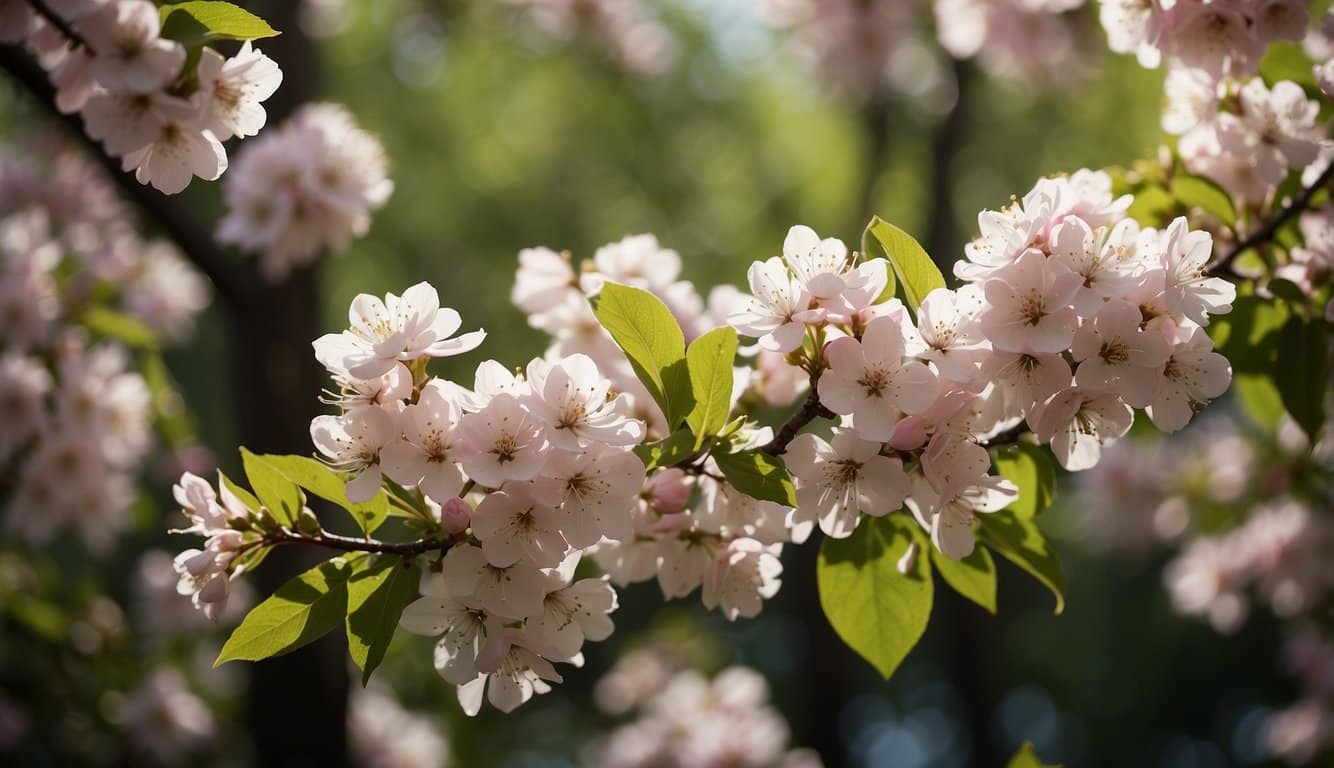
296, 713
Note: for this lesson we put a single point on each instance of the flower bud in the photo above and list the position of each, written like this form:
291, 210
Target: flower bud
455, 516
909, 560
307, 523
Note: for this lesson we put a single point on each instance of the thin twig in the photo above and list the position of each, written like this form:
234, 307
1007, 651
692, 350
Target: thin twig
350, 544
56, 20
805, 415
1267, 231
234, 281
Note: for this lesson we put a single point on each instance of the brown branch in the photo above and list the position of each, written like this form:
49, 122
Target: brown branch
350, 544
1267, 231
805, 415
56, 20
233, 282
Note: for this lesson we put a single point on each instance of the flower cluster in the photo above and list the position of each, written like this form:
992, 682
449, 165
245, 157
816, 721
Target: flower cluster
1242, 134
692, 720
1000, 34
1222, 38
852, 43
624, 29
308, 185
77, 415
381, 733
1071, 316
166, 121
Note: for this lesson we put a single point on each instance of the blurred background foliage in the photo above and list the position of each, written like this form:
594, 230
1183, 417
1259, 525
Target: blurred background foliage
501, 138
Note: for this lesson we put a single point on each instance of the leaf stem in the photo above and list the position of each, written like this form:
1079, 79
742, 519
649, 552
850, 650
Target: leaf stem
349, 544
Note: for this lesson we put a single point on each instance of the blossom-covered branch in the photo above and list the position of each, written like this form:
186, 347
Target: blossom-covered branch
1266, 232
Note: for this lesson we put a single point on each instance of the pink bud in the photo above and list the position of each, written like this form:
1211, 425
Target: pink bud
455, 516
909, 434
668, 491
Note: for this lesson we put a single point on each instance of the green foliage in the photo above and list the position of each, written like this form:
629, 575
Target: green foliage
649, 335
879, 613
1027, 757
376, 597
1019, 540
709, 360
667, 451
916, 272
199, 22
1153, 206
118, 326
1287, 61
1029, 467
247, 498
974, 577
300, 612
1301, 373
274, 490
1248, 335
759, 475
1259, 398
315, 477
1198, 192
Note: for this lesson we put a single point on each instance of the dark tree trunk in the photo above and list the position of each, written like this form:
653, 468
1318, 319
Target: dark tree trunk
297, 703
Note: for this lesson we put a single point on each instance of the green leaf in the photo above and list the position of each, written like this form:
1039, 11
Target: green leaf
247, 498
1301, 373
1205, 194
879, 613
1248, 335
917, 274
649, 335
1259, 398
1026, 757
1020, 541
300, 612
974, 577
318, 479
709, 360
667, 451
759, 475
275, 491
118, 326
1029, 467
198, 22
1153, 206
376, 597
1287, 61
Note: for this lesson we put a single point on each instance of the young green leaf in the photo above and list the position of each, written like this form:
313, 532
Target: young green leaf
879, 613
1027, 757
1248, 335
1029, 467
974, 577
758, 475
198, 22
649, 335
1259, 398
1019, 540
917, 274
317, 478
709, 360
376, 597
247, 498
1300, 372
667, 451
1153, 206
275, 491
1205, 194
300, 612
1287, 61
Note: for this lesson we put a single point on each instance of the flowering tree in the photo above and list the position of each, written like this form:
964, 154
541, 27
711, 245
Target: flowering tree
664, 434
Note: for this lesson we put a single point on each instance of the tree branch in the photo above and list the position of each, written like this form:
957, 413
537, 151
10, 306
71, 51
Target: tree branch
1267, 231
232, 280
805, 415
56, 20
350, 544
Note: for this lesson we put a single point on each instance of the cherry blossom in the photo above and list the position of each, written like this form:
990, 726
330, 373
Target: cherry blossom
231, 90
573, 399
870, 380
1078, 423
353, 442
839, 480
503, 442
775, 314
427, 454
399, 329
